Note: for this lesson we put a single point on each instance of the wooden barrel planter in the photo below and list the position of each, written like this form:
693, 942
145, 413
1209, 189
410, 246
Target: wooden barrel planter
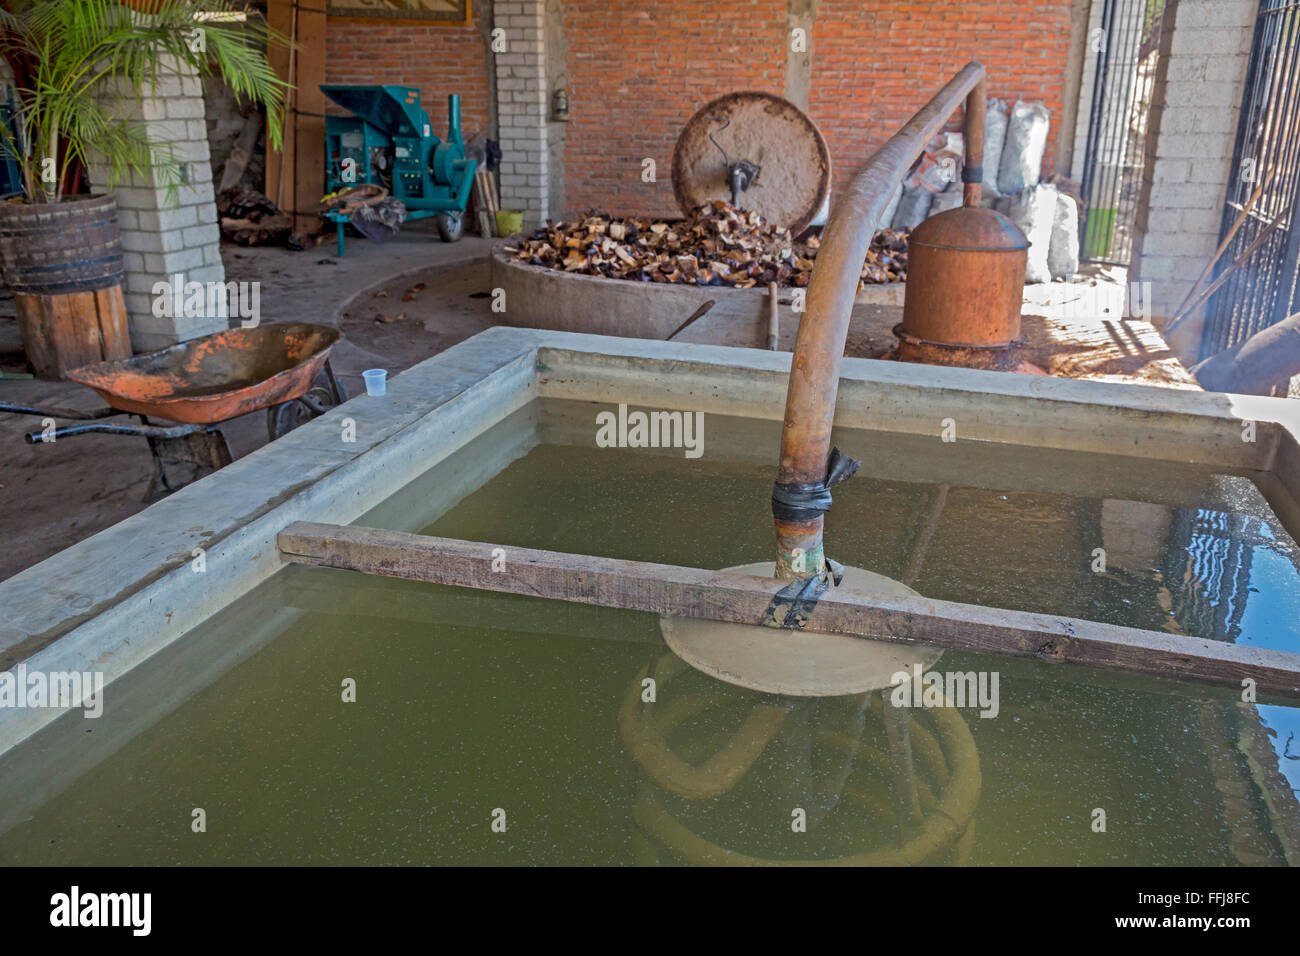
63, 263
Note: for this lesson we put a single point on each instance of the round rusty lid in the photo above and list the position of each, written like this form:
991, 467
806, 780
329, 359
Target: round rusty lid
794, 164
969, 229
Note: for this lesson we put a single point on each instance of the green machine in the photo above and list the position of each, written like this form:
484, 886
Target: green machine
388, 142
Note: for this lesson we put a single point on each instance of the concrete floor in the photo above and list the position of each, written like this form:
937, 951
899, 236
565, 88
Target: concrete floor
433, 295
53, 495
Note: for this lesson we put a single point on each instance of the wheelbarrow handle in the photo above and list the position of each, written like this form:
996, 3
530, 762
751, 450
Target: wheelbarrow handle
56, 412
144, 431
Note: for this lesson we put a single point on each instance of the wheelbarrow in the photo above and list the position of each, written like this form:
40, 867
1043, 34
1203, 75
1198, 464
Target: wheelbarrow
200, 385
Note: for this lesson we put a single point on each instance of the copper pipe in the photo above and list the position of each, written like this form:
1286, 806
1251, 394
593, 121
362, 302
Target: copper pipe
819, 346
973, 135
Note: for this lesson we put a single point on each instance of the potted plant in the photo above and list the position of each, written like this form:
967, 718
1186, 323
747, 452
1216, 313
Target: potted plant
76, 64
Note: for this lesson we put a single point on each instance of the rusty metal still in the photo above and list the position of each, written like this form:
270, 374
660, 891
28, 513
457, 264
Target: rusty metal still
965, 284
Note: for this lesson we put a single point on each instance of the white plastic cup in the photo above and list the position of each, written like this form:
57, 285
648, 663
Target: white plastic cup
376, 381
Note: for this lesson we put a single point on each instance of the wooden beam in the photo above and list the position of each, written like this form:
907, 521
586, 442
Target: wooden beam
282, 16
309, 121
723, 596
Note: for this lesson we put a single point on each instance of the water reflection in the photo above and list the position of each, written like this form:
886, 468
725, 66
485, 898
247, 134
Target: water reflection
836, 780
1215, 563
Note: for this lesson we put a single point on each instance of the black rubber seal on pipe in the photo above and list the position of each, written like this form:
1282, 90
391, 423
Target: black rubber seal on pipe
800, 598
803, 501
972, 174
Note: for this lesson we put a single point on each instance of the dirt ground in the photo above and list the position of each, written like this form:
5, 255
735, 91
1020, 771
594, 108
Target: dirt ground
397, 304
53, 495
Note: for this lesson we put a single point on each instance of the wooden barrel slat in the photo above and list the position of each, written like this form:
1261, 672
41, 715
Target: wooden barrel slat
69, 330
63, 263
53, 248
112, 326
83, 304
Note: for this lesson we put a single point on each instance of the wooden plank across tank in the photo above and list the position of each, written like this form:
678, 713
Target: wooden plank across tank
722, 596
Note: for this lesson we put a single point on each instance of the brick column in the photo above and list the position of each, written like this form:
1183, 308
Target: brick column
523, 104
161, 239
1204, 54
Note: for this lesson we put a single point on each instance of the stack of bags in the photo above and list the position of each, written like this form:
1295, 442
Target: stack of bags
1014, 143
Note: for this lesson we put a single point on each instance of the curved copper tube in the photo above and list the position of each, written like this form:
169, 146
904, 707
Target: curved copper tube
819, 348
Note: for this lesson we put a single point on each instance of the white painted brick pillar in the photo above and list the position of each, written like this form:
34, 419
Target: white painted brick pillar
162, 239
1205, 51
523, 102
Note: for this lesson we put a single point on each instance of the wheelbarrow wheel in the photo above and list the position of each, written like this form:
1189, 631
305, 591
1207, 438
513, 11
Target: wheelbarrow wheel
450, 226
326, 392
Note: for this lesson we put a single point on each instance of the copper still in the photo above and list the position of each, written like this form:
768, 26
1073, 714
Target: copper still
965, 284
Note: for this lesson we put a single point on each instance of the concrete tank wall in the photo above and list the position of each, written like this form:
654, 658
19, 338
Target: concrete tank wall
541, 298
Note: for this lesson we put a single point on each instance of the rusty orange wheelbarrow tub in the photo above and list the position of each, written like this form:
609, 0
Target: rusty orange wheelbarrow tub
216, 377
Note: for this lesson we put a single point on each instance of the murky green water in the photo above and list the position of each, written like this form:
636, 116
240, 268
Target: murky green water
473, 707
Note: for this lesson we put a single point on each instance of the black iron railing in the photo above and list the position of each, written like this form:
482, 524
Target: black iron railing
1126, 46
1265, 168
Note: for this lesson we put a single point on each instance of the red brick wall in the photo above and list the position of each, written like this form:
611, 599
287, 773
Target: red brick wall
638, 71
437, 59
875, 64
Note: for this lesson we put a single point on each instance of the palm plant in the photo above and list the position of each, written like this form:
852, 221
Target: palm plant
78, 60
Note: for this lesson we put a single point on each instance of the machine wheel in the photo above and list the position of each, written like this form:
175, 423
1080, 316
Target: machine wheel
451, 226
284, 418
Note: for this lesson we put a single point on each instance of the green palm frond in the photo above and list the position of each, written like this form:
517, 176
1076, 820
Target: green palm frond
91, 58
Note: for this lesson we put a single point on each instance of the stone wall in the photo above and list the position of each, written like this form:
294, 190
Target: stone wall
1205, 52
523, 105
164, 236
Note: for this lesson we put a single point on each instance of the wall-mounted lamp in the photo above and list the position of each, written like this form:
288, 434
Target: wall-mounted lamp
560, 105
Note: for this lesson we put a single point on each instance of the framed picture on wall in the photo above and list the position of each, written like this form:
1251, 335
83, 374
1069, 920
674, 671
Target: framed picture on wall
449, 12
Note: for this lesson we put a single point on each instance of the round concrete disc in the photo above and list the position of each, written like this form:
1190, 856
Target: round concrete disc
794, 178
795, 663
